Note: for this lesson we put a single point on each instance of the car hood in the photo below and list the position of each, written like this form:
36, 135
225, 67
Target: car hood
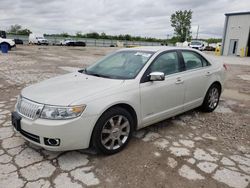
195, 45
43, 40
64, 90
10, 41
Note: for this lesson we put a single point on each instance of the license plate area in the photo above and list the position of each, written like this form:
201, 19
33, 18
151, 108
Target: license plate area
16, 120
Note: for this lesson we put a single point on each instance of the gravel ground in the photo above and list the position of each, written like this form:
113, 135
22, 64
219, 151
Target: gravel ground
190, 150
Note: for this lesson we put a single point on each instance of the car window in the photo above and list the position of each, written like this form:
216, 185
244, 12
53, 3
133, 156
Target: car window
167, 63
120, 65
192, 60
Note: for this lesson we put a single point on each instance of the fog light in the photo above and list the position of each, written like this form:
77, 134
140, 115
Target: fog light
52, 141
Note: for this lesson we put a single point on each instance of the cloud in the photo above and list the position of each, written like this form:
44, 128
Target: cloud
142, 17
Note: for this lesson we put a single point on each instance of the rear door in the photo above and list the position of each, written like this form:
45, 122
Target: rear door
196, 78
162, 99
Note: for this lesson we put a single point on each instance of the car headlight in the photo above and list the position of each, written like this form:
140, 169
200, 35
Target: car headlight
60, 113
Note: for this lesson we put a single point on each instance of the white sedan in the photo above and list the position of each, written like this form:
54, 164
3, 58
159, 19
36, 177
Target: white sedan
102, 105
66, 41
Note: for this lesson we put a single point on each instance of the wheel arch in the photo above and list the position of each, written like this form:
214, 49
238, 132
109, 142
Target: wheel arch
125, 106
217, 83
9, 46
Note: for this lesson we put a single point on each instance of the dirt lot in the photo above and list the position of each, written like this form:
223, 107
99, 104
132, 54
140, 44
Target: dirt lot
191, 150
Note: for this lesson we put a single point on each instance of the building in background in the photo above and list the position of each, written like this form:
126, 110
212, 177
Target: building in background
236, 36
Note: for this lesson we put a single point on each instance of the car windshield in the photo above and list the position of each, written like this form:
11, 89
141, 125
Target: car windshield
195, 43
120, 65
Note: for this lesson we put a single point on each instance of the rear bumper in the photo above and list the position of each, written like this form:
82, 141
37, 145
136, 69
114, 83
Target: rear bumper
73, 134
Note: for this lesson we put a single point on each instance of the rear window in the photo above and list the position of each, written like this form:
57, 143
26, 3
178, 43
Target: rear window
195, 43
193, 60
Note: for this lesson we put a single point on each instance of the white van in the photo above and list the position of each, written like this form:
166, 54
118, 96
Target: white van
37, 39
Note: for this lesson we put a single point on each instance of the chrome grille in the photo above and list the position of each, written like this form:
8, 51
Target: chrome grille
28, 109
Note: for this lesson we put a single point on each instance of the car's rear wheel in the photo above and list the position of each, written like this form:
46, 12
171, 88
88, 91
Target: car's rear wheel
113, 131
212, 98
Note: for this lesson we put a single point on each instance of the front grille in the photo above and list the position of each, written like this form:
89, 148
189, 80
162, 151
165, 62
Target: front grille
28, 109
30, 136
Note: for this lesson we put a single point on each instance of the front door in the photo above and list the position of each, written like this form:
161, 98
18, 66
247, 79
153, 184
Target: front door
162, 99
233, 47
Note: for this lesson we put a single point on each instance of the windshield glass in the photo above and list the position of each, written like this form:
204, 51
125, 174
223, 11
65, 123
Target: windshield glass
195, 43
120, 65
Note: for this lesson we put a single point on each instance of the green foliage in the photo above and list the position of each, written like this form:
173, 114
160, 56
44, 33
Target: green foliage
213, 40
181, 22
17, 29
24, 32
94, 35
79, 34
64, 34
103, 35
173, 40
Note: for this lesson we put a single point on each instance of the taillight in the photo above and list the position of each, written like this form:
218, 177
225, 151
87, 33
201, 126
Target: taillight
225, 66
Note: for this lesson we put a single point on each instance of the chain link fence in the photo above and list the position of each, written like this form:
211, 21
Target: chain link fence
89, 41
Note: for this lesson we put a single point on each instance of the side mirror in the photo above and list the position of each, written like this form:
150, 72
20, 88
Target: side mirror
156, 76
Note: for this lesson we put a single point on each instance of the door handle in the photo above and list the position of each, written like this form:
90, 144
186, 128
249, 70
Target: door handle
179, 80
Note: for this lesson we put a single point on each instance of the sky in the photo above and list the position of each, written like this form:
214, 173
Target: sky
147, 18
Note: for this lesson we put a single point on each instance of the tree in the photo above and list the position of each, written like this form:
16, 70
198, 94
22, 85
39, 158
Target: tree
103, 35
79, 34
17, 29
127, 37
24, 32
94, 35
213, 40
181, 22
64, 34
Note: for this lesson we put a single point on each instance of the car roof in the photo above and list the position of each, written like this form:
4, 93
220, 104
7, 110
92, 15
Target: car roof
158, 48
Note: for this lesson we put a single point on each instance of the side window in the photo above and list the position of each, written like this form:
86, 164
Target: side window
205, 62
192, 60
167, 63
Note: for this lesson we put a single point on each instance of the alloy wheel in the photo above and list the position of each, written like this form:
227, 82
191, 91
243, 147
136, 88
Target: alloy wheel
213, 97
115, 132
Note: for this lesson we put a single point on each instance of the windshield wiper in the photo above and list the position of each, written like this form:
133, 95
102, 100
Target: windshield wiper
93, 74
83, 70
99, 75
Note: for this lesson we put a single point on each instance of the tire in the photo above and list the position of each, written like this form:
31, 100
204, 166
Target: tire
108, 135
212, 98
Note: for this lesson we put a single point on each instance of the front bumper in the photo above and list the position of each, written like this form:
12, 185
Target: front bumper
73, 134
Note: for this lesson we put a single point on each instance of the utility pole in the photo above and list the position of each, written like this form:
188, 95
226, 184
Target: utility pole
197, 34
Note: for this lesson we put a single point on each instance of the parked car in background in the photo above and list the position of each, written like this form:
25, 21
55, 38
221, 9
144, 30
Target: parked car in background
199, 45
37, 39
79, 43
9, 42
102, 105
209, 48
64, 42
3, 34
71, 42
18, 41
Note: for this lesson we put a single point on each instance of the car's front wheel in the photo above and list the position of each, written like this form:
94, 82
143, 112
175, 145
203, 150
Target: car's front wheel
113, 131
212, 98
